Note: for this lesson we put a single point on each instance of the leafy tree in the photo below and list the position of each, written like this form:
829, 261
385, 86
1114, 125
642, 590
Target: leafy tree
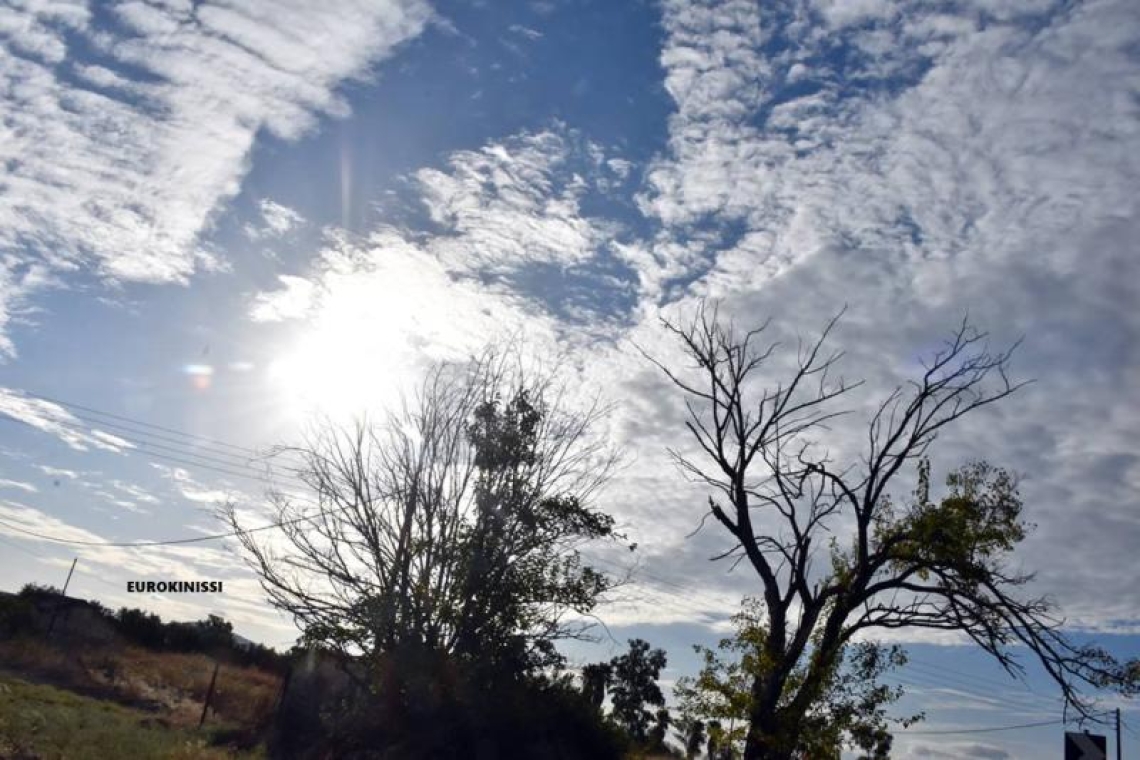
850, 708
719, 745
595, 679
634, 685
452, 527
660, 729
692, 732
936, 563
141, 627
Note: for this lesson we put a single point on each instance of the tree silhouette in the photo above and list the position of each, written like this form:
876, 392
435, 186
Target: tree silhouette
935, 563
693, 733
595, 679
633, 685
850, 709
453, 527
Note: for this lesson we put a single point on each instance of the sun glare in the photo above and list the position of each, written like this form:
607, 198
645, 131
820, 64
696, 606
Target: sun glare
362, 345
330, 373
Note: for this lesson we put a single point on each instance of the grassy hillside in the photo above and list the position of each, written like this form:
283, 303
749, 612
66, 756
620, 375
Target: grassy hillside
107, 685
171, 685
38, 721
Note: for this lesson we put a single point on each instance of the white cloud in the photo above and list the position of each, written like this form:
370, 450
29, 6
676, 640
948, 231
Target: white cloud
277, 220
55, 420
917, 169
292, 301
191, 489
138, 493
125, 125
374, 306
18, 484
381, 305
57, 472
511, 203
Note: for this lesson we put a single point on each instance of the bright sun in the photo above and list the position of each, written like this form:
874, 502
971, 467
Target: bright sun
349, 359
376, 319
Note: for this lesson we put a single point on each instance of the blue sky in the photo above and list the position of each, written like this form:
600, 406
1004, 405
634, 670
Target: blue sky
220, 218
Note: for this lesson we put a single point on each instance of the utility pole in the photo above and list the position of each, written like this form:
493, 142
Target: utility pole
62, 596
1118, 733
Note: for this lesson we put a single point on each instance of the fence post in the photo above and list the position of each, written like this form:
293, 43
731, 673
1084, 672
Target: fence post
209, 694
284, 687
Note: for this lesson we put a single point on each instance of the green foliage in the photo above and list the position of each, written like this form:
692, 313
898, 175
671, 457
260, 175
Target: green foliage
34, 590
141, 627
513, 574
660, 729
40, 721
16, 615
966, 534
427, 704
849, 702
595, 678
692, 732
633, 685
214, 635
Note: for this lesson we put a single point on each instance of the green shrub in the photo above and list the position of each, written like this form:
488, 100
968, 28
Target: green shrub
16, 616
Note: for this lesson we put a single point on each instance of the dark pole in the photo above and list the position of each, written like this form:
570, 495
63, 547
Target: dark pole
209, 695
62, 596
1118, 733
283, 689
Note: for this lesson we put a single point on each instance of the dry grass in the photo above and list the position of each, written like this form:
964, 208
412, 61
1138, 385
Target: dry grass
39, 721
242, 696
170, 683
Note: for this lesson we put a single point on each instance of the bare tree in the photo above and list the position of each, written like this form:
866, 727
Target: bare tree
452, 527
924, 564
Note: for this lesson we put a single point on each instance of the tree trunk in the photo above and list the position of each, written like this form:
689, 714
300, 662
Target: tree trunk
766, 740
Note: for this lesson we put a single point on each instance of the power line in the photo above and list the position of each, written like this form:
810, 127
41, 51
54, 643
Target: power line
243, 458
986, 699
110, 415
181, 439
203, 466
1054, 722
179, 460
133, 436
960, 681
211, 463
172, 541
982, 680
233, 468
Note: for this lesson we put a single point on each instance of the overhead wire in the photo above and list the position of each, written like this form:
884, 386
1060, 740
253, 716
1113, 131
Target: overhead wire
141, 423
233, 454
963, 681
988, 699
235, 466
985, 730
920, 682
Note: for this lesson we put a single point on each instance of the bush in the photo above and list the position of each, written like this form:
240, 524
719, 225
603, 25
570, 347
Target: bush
16, 616
426, 705
142, 628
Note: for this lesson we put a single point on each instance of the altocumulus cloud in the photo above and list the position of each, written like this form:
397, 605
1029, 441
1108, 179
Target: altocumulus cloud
125, 123
910, 162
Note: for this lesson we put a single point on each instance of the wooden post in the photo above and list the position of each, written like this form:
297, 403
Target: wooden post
62, 596
209, 694
283, 689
